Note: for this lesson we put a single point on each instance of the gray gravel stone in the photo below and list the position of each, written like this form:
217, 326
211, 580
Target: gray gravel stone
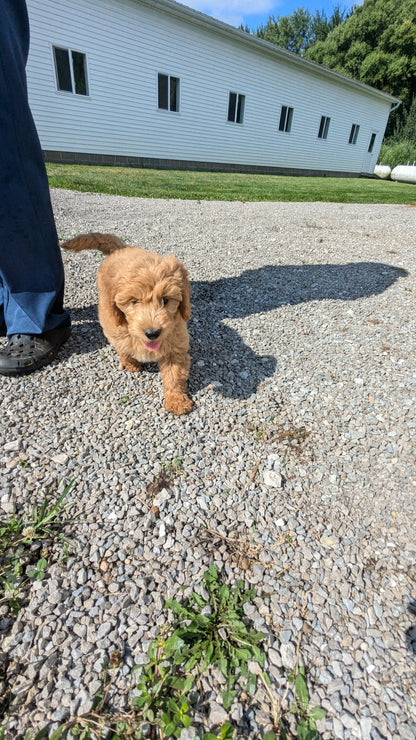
300, 449
288, 655
217, 714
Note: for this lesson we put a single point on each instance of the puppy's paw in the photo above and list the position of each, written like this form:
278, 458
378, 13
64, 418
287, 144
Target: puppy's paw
132, 366
178, 403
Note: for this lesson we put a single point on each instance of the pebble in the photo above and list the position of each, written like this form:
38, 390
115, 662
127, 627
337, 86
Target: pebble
288, 655
217, 714
272, 479
299, 450
11, 446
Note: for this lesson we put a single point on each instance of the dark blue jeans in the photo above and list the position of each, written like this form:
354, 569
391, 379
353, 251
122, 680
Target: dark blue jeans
31, 270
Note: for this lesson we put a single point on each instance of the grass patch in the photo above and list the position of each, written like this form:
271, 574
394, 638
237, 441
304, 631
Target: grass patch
186, 185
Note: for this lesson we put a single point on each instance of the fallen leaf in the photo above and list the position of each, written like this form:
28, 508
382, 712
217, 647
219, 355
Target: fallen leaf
115, 658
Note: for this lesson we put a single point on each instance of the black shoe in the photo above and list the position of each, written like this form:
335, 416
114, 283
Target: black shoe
25, 353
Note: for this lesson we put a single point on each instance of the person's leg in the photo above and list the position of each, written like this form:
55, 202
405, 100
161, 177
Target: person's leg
31, 269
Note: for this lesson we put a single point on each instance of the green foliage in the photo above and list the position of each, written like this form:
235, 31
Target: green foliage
393, 153
305, 718
214, 633
163, 700
376, 45
406, 128
226, 733
172, 467
300, 30
17, 536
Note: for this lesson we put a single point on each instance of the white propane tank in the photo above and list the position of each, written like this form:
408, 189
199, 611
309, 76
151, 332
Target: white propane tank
383, 171
404, 173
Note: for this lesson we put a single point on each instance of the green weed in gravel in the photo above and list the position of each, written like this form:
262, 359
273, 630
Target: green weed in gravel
172, 468
226, 732
18, 535
214, 633
204, 632
306, 717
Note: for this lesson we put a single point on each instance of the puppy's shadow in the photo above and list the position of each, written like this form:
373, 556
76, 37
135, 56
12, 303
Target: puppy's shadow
220, 356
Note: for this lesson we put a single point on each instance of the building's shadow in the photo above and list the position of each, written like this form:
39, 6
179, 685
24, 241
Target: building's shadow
219, 355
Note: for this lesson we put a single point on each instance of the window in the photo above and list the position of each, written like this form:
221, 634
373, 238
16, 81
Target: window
354, 133
168, 92
372, 142
236, 107
286, 116
323, 128
71, 71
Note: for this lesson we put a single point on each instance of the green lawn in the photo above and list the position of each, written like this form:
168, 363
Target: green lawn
226, 186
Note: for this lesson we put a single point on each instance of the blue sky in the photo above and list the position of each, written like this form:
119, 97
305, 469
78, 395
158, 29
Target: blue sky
254, 13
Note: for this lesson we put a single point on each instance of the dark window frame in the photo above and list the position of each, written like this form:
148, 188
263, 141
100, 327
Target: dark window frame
236, 107
286, 118
71, 73
355, 128
168, 90
324, 127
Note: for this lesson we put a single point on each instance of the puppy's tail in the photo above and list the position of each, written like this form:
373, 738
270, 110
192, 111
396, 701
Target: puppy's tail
105, 243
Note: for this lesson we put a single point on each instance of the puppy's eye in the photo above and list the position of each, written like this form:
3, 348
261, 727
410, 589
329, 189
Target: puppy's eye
134, 302
165, 301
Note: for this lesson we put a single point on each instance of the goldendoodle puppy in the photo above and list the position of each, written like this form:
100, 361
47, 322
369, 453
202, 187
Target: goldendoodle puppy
143, 307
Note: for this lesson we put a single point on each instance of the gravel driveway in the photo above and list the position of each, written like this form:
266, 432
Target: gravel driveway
300, 447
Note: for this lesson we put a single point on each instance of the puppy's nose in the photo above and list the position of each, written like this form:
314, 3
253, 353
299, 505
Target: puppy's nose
152, 333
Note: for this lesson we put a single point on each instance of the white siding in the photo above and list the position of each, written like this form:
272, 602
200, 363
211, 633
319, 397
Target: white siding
127, 43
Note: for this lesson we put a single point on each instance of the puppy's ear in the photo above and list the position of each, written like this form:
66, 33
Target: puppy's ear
107, 292
185, 304
174, 272
118, 315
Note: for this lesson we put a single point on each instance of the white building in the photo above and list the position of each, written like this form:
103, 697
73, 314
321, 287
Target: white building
153, 83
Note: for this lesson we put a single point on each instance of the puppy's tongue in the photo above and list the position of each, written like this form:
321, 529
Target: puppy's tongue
153, 345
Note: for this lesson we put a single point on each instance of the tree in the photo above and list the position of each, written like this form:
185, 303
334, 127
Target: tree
299, 31
406, 128
376, 45
322, 25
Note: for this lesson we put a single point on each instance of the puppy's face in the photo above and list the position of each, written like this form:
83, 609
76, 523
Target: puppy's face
153, 300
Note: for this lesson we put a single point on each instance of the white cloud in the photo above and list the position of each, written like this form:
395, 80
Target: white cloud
233, 12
